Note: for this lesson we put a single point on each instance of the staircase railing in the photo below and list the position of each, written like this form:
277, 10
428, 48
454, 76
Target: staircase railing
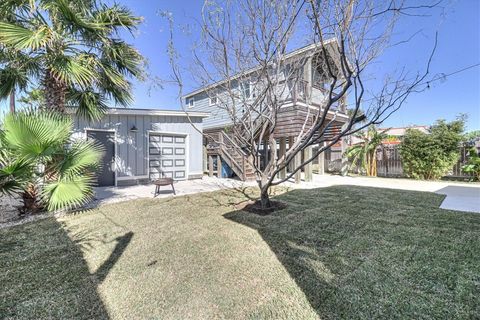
229, 150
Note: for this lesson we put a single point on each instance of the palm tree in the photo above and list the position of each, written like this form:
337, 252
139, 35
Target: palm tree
39, 160
364, 153
71, 49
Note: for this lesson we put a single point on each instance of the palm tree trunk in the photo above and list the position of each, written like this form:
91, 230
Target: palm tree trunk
12, 101
55, 91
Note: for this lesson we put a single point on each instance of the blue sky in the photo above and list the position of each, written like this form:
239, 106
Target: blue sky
458, 47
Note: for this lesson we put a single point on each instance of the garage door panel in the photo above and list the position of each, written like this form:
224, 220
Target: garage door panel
168, 163
180, 151
167, 139
180, 174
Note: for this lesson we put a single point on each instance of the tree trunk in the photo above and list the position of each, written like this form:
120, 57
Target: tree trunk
31, 201
265, 198
12, 101
55, 91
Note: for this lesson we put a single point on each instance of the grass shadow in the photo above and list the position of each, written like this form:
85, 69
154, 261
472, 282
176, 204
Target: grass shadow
360, 252
44, 275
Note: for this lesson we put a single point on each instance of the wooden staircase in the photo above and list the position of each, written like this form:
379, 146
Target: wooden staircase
233, 156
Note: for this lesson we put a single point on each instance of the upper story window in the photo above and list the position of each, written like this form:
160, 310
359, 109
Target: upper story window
246, 88
190, 102
213, 100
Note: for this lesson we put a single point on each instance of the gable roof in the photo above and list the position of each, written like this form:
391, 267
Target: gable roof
302, 50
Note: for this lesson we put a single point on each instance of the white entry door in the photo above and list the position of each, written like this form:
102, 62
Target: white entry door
167, 156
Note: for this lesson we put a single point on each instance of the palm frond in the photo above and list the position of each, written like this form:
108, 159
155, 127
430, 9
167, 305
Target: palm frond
36, 134
14, 176
10, 79
80, 157
21, 38
69, 192
126, 59
73, 17
118, 94
89, 105
76, 70
116, 16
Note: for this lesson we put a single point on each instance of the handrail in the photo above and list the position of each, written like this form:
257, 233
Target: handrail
234, 162
225, 136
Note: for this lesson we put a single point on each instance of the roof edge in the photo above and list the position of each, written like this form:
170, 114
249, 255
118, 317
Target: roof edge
151, 112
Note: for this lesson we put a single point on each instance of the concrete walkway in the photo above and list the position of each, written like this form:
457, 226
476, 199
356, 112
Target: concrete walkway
118, 194
460, 196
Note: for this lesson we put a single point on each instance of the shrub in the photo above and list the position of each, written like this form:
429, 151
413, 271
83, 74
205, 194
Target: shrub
39, 161
473, 164
431, 155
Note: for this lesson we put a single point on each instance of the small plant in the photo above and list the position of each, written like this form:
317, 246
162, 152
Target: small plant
40, 162
473, 164
364, 153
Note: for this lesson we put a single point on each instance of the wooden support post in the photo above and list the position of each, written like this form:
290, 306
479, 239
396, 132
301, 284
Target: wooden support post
205, 159
321, 160
291, 164
344, 169
297, 162
308, 167
210, 166
219, 166
283, 149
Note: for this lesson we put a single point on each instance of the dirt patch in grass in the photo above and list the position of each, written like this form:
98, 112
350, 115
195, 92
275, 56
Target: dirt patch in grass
256, 207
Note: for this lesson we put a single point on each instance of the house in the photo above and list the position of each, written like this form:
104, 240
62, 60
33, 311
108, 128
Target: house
299, 103
395, 135
145, 144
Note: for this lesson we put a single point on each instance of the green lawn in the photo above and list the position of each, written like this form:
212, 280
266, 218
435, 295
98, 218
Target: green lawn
338, 252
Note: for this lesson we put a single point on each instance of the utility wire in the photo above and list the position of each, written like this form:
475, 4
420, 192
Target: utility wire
436, 78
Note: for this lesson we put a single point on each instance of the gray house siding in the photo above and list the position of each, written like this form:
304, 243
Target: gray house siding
131, 154
219, 116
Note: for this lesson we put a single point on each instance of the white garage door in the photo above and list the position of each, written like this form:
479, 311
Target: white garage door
167, 156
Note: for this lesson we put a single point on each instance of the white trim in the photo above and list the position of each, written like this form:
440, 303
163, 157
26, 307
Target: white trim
187, 151
132, 178
152, 112
187, 102
210, 103
332, 112
115, 146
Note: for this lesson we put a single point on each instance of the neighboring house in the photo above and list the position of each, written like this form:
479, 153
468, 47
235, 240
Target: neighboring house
143, 145
395, 135
296, 100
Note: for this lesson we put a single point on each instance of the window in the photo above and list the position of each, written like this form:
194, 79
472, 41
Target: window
246, 90
213, 100
190, 102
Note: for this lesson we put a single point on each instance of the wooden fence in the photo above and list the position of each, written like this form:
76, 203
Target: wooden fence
389, 163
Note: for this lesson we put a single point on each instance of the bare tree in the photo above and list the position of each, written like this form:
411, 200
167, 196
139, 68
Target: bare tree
243, 61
